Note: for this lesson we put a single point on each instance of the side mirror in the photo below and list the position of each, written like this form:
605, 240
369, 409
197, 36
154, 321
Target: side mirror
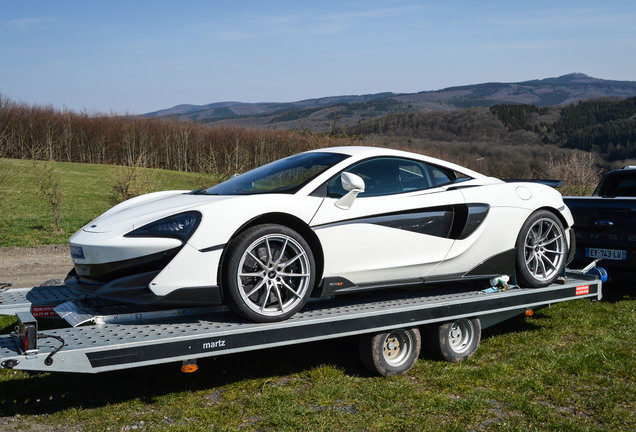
354, 185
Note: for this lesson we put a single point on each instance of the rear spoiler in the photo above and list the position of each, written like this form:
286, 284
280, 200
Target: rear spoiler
548, 182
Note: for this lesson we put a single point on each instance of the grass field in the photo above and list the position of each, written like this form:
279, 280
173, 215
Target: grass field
569, 368
86, 188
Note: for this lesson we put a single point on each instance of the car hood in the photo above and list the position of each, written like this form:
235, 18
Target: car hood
140, 211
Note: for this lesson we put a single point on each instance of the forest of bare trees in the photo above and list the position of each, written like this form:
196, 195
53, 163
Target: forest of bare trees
474, 137
45, 133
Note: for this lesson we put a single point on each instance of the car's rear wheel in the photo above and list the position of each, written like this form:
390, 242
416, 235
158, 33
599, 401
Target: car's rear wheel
541, 250
269, 273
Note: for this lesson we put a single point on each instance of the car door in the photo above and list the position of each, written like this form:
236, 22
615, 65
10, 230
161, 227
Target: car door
398, 229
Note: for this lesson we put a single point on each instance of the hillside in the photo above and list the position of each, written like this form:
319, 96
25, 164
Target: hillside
505, 140
324, 114
512, 140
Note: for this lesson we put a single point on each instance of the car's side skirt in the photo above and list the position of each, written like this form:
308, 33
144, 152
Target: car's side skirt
503, 263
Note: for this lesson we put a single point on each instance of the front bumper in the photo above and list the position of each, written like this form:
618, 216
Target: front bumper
183, 276
105, 272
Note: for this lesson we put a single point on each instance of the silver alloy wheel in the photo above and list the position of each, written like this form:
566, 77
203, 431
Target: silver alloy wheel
397, 348
274, 274
544, 249
461, 335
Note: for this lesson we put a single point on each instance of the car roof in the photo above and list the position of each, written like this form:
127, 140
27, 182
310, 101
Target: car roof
626, 170
356, 150
362, 152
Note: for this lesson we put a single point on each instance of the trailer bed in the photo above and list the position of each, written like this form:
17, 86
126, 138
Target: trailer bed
107, 347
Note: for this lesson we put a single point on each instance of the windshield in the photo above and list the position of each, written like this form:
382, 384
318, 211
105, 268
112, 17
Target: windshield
286, 175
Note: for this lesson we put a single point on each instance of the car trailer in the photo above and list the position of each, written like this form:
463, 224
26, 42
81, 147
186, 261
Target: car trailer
390, 326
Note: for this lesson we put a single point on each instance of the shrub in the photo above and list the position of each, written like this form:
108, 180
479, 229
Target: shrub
49, 183
131, 181
579, 171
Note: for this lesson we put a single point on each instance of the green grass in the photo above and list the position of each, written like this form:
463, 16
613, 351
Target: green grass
569, 368
26, 218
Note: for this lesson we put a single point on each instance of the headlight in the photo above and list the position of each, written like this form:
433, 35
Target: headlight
180, 226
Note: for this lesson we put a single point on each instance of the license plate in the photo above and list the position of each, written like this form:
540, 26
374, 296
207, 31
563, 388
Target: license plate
77, 252
608, 254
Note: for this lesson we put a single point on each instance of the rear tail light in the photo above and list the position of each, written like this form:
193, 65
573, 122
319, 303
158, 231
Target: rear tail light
27, 332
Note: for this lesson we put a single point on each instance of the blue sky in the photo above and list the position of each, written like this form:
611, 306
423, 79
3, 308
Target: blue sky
139, 56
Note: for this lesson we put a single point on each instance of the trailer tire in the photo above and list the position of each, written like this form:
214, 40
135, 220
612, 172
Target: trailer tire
453, 340
390, 353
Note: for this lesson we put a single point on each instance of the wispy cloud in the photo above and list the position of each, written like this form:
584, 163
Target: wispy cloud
563, 17
374, 13
25, 25
306, 21
545, 46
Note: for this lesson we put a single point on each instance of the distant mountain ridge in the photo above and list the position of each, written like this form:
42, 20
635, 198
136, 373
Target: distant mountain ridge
324, 113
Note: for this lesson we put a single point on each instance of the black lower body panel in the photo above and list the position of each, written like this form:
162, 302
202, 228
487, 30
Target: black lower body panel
136, 289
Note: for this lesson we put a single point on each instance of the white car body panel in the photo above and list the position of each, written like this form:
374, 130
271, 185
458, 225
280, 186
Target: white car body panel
507, 214
219, 223
100, 248
202, 271
364, 252
128, 218
469, 252
379, 253
214, 230
135, 202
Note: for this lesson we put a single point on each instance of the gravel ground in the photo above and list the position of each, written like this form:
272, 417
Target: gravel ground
32, 266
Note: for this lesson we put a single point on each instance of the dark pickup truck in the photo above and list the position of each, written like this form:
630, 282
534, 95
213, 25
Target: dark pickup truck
605, 223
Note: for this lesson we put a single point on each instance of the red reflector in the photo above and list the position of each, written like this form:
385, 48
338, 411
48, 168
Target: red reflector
582, 290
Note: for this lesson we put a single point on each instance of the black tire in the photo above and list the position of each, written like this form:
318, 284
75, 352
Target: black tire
390, 353
541, 250
268, 274
454, 340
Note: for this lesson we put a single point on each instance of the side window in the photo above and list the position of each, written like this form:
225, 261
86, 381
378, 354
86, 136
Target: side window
439, 177
387, 176
626, 186
414, 176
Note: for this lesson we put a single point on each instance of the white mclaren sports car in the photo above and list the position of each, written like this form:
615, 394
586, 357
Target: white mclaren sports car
320, 223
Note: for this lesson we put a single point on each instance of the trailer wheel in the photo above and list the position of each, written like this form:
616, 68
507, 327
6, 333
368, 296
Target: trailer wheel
454, 340
390, 353
269, 273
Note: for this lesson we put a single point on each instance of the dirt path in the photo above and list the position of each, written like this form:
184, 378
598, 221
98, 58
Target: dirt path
32, 266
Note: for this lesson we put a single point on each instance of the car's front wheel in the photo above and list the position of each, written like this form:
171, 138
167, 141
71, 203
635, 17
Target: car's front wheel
269, 273
541, 250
